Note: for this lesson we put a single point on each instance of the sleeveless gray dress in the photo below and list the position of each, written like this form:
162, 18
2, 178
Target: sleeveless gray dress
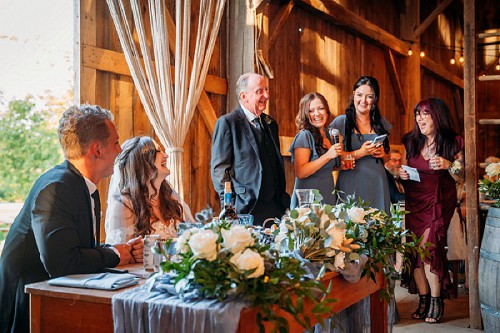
322, 179
367, 180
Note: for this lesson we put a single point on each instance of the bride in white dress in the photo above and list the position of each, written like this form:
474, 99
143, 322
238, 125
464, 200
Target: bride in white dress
140, 200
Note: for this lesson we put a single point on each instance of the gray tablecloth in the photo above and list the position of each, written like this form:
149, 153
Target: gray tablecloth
141, 310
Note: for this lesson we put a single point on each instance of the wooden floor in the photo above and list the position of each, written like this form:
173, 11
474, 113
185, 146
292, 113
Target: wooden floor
456, 315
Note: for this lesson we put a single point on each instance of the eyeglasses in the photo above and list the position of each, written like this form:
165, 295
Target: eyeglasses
422, 114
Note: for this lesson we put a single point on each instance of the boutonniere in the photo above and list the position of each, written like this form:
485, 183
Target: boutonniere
267, 119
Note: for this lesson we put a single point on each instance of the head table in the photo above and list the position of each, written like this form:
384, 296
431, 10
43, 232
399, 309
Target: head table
64, 309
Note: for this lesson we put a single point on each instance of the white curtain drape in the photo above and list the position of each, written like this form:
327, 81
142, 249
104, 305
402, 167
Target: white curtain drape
170, 107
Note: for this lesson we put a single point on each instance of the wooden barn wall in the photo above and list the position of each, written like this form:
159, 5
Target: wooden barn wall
117, 93
311, 54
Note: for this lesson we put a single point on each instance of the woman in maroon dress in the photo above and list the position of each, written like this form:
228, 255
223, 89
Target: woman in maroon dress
431, 148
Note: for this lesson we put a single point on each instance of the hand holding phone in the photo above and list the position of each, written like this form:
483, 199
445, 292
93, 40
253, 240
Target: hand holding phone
379, 140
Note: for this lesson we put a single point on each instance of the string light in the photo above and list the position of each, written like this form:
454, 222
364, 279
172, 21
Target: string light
452, 61
422, 54
461, 59
410, 52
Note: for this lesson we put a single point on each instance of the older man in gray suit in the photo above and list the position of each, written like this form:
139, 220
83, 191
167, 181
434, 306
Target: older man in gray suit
246, 152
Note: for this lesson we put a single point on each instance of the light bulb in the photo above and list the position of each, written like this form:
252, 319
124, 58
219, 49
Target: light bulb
452, 61
461, 59
422, 54
410, 52
497, 67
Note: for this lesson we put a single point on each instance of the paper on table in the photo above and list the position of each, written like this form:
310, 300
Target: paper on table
412, 172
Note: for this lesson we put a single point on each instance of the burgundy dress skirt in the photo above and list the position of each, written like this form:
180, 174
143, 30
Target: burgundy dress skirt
431, 204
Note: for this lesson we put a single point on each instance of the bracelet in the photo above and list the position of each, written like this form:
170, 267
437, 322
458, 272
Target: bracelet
354, 154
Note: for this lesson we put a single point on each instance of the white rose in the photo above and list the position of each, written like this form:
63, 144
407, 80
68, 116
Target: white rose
237, 238
357, 214
337, 235
181, 246
249, 260
493, 169
339, 261
204, 244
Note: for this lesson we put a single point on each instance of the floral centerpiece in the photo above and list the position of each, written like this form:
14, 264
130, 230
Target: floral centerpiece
337, 236
490, 184
222, 260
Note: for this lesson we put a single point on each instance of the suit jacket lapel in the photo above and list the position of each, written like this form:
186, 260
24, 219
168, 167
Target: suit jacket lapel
275, 144
72, 168
245, 124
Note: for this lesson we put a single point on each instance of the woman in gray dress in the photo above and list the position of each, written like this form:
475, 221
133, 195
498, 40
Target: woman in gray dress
313, 154
361, 123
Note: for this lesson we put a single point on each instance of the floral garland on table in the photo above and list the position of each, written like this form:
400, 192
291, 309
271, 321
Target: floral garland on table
490, 185
338, 236
222, 260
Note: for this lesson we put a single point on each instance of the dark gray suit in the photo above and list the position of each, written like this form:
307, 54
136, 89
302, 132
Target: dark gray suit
52, 236
236, 157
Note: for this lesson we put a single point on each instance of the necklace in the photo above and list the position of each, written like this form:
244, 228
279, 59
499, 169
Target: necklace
429, 150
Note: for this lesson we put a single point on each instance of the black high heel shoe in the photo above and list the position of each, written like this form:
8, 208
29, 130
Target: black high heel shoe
436, 310
423, 307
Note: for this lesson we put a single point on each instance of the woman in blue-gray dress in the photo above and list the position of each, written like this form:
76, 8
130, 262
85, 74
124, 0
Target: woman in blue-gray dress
361, 123
313, 154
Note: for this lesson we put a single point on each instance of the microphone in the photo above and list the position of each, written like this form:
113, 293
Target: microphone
334, 133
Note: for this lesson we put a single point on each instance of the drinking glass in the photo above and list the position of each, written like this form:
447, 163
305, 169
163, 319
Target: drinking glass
348, 160
245, 219
432, 162
305, 197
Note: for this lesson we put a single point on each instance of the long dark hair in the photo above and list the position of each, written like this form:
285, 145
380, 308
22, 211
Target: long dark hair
445, 138
136, 164
375, 116
302, 119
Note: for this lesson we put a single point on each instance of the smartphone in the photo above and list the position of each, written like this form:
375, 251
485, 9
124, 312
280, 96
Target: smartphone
379, 140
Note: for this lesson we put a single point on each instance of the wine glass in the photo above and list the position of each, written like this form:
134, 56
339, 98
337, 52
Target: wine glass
305, 197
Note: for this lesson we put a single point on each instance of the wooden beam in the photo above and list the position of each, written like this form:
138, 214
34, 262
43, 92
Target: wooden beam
396, 84
438, 70
488, 34
279, 20
285, 143
260, 4
489, 121
339, 15
489, 77
114, 62
428, 21
470, 111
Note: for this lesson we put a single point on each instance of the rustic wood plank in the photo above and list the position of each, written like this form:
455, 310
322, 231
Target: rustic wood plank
428, 21
489, 77
114, 62
35, 313
438, 69
341, 16
86, 30
411, 82
488, 34
489, 121
396, 84
285, 143
279, 20
470, 161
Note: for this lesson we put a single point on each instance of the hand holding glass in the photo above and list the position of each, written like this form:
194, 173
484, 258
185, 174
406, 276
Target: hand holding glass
348, 161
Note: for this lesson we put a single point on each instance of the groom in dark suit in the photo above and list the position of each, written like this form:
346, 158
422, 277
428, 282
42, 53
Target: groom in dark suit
57, 231
246, 151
